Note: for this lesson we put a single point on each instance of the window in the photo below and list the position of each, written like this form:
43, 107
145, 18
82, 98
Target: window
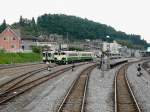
62, 53
49, 54
55, 53
72, 54
4, 38
14, 38
12, 46
34, 40
43, 54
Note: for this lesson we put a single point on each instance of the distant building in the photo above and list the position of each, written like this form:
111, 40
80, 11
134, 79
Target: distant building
148, 49
88, 45
51, 38
12, 40
53, 45
111, 47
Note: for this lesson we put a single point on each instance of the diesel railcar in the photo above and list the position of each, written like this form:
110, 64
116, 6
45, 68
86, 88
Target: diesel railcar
48, 56
65, 57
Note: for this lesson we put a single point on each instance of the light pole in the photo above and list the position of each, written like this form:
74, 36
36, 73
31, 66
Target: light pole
108, 53
108, 36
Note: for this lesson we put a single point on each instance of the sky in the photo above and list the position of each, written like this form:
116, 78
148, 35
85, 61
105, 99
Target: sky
130, 16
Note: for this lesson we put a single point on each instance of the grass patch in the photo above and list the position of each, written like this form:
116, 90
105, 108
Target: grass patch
8, 58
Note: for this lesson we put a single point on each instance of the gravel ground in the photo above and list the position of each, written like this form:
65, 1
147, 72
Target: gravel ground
8, 74
140, 86
100, 96
45, 97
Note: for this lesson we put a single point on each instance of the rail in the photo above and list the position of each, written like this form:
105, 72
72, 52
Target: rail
125, 100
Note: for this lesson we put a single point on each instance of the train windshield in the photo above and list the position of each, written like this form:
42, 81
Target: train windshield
49, 54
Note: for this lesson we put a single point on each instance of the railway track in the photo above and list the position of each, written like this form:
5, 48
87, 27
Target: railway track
125, 100
17, 80
16, 65
146, 66
10, 84
74, 101
17, 88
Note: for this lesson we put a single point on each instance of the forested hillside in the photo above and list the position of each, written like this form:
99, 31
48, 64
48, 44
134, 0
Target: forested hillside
77, 28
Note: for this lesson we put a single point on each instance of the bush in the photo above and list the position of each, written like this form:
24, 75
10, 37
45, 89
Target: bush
36, 49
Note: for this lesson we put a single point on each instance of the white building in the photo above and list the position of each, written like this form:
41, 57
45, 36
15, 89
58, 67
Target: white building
112, 47
53, 45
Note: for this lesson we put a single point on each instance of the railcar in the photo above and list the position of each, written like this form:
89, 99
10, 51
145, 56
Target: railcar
65, 57
48, 56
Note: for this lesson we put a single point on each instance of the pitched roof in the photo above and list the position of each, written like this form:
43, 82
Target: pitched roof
19, 34
8, 28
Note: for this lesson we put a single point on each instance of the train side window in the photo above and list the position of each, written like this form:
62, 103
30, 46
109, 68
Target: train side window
55, 53
43, 54
62, 53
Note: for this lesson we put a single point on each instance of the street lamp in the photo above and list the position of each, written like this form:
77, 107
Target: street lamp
108, 53
108, 36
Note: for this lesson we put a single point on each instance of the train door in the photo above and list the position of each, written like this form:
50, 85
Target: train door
49, 56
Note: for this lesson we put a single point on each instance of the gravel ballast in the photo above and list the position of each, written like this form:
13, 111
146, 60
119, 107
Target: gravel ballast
140, 86
100, 96
100, 91
46, 97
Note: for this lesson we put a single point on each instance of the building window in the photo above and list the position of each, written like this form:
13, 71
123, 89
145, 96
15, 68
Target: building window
34, 40
12, 46
14, 38
4, 38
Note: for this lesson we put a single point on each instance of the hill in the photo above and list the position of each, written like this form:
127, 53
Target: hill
77, 29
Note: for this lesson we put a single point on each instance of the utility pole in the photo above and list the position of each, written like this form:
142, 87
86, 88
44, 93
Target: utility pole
108, 53
102, 61
108, 57
67, 41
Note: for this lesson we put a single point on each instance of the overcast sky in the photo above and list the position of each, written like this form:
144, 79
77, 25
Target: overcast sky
130, 16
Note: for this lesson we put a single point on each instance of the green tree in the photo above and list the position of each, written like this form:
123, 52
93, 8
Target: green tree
3, 26
77, 28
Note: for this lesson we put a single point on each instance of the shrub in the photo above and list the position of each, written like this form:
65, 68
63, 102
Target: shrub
36, 49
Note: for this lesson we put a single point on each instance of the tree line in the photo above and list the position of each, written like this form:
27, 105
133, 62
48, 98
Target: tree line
75, 28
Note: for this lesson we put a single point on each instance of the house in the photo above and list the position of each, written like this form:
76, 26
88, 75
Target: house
12, 40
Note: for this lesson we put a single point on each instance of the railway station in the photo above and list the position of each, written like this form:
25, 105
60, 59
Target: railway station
74, 56
91, 86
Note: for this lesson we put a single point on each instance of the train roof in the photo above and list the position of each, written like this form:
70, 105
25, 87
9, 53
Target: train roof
49, 51
76, 52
